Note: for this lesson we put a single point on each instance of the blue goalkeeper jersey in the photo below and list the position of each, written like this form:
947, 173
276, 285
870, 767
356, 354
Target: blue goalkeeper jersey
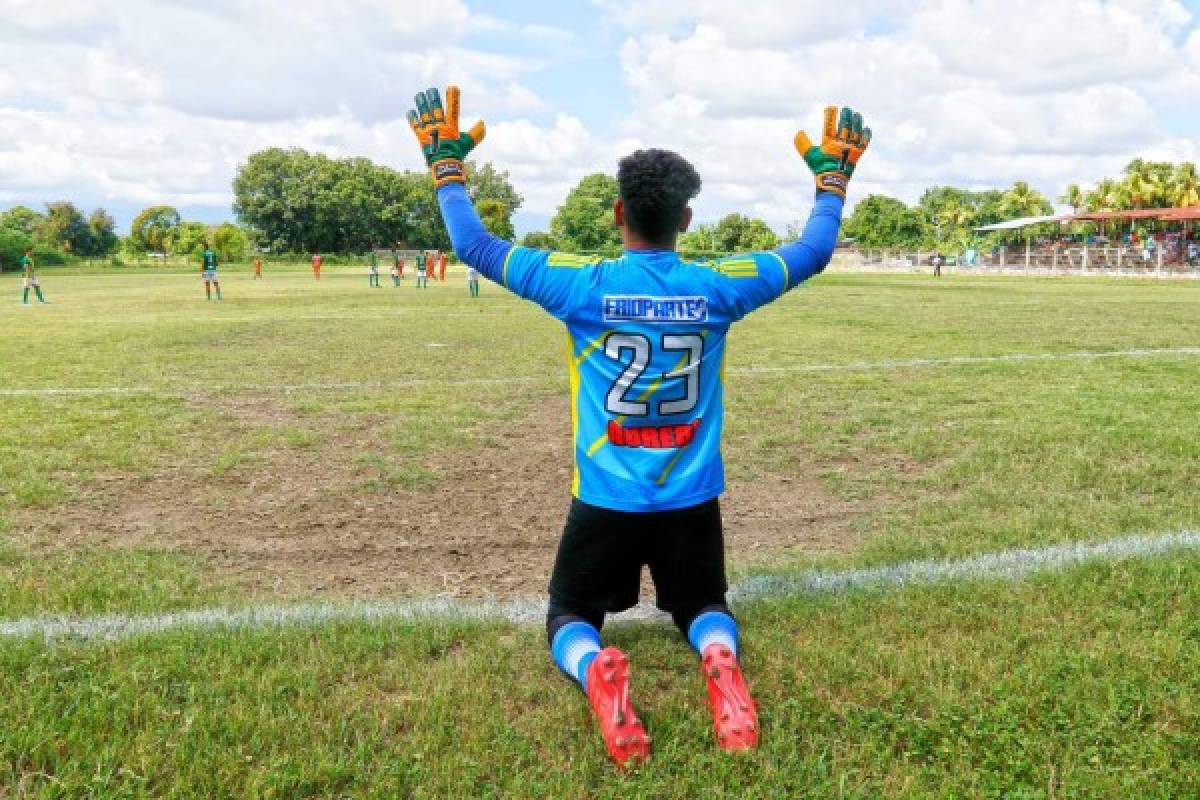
645, 349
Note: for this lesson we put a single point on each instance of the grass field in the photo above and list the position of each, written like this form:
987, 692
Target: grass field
382, 411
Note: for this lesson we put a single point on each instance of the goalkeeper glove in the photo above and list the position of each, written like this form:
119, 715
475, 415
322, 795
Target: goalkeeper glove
445, 148
843, 142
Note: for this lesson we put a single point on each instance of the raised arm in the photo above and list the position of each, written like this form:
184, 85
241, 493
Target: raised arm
545, 278
810, 254
757, 279
473, 244
843, 142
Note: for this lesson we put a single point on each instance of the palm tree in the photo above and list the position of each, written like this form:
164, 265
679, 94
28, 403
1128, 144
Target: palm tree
1147, 182
1022, 200
1145, 189
1109, 195
954, 221
1073, 197
1105, 197
956, 215
1184, 190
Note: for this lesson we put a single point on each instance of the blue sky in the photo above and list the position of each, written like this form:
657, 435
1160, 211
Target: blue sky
117, 106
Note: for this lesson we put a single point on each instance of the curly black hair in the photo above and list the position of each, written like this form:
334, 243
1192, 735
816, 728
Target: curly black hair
656, 186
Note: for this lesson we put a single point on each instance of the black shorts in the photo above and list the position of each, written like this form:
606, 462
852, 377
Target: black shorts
600, 558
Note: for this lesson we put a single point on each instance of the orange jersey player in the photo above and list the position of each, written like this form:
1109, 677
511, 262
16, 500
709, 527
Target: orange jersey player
316, 265
258, 269
442, 267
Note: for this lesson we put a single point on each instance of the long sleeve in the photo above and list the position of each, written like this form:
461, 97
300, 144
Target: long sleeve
548, 279
751, 281
472, 243
810, 254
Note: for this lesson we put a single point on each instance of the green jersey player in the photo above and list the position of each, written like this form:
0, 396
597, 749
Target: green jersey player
208, 260
31, 279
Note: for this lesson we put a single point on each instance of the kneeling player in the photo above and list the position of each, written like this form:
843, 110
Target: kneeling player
208, 260
646, 335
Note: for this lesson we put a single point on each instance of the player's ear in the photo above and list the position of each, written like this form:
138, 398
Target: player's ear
687, 219
619, 212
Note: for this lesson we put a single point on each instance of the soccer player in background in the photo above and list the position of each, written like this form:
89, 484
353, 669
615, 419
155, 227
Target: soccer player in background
473, 281
373, 269
208, 268
441, 266
316, 266
395, 270
258, 268
399, 264
31, 279
646, 355
422, 270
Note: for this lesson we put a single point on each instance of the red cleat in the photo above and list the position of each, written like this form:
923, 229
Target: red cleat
608, 691
735, 716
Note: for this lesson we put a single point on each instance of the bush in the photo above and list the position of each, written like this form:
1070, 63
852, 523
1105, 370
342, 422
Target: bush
12, 247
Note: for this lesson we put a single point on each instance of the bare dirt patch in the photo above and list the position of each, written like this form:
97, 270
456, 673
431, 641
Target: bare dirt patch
296, 520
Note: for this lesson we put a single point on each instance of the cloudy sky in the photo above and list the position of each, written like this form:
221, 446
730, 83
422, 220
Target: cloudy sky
127, 103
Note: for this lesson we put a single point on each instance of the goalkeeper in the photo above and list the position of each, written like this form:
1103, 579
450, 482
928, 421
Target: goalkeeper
645, 352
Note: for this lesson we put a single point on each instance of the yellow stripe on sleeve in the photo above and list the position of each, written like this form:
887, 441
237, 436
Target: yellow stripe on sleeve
573, 367
783, 267
504, 274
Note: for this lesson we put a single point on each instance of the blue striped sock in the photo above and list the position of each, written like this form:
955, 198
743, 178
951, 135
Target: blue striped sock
713, 627
574, 647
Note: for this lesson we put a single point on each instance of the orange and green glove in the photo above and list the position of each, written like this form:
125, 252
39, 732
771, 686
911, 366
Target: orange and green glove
843, 142
445, 148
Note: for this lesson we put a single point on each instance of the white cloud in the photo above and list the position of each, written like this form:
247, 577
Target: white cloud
972, 92
154, 101
159, 101
776, 23
1027, 45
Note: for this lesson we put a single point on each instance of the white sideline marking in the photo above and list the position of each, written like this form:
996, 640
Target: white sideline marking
966, 360
854, 366
1009, 565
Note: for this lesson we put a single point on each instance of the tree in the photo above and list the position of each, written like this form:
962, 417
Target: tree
104, 236
229, 241
1185, 186
1147, 183
584, 222
496, 218
881, 221
64, 228
1073, 197
485, 182
954, 225
494, 198
13, 243
274, 194
20, 218
1022, 200
539, 240
739, 233
1107, 196
189, 238
698, 240
154, 228
293, 200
